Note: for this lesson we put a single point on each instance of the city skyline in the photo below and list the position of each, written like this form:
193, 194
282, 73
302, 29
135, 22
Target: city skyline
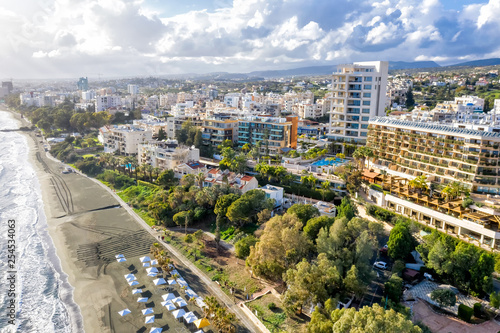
63, 38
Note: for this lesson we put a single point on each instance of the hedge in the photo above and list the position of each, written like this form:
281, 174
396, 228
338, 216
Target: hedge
376, 187
464, 312
146, 184
477, 310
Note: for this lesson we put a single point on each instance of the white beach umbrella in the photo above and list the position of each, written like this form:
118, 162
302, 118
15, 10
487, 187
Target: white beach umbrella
154, 262
144, 259
156, 330
182, 283
149, 320
200, 331
121, 259
169, 305
171, 282
174, 271
133, 283
168, 297
190, 319
124, 312
200, 302
119, 256
127, 276
152, 270
191, 293
152, 274
142, 300
146, 264
132, 278
136, 291
181, 303
147, 311
159, 281
178, 313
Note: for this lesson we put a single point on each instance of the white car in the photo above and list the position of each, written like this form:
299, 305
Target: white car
380, 264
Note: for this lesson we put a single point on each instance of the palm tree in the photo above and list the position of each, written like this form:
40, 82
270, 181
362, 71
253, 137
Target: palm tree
200, 178
419, 183
149, 169
157, 171
358, 155
368, 153
325, 186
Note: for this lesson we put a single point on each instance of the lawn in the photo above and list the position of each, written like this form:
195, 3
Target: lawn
276, 319
221, 266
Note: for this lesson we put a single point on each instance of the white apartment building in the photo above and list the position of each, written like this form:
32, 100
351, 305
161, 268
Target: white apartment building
179, 109
166, 154
108, 101
152, 124
309, 110
273, 192
358, 93
232, 100
123, 139
133, 89
88, 95
167, 100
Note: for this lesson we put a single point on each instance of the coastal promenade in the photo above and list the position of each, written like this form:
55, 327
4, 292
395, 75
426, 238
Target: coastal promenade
89, 224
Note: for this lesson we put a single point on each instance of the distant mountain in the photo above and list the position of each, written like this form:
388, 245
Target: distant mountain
414, 64
480, 63
311, 70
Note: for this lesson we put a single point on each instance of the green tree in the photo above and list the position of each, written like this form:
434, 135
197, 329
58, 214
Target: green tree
162, 135
315, 224
166, 178
401, 242
367, 319
444, 297
393, 288
224, 202
410, 101
242, 246
304, 212
346, 209
281, 246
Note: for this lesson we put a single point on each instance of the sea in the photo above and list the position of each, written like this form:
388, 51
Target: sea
35, 295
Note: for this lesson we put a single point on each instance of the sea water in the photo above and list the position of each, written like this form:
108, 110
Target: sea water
33, 279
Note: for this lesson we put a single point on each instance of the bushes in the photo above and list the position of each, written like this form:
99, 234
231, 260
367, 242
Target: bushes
242, 247
89, 167
271, 306
117, 180
495, 300
376, 187
464, 312
380, 213
478, 310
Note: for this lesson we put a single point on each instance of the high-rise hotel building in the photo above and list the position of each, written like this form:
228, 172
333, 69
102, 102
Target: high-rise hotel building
358, 93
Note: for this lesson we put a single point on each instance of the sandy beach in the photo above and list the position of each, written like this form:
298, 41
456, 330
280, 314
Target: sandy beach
88, 228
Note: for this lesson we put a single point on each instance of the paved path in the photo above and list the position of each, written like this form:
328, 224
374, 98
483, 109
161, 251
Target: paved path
213, 287
442, 324
424, 289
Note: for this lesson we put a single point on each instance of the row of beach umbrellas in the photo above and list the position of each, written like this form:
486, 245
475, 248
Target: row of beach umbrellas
169, 299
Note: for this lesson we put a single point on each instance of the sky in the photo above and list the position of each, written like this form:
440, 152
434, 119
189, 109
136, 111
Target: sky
73, 38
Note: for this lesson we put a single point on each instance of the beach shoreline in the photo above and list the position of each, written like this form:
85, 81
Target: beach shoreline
89, 225
93, 292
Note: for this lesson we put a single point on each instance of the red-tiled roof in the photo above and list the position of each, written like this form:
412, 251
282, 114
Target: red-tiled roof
213, 171
246, 178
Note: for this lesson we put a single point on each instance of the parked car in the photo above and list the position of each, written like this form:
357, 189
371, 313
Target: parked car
384, 249
380, 264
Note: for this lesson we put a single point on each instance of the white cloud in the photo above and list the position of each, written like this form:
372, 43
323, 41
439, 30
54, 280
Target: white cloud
120, 37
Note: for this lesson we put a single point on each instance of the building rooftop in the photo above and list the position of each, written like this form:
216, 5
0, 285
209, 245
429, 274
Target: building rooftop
432, 127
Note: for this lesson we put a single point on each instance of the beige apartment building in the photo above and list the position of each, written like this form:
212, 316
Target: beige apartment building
443, 153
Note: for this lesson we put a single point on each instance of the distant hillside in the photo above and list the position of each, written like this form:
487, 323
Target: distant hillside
312, 70
414, 64
480, 63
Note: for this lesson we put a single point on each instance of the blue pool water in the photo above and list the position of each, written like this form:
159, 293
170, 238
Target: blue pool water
337, 161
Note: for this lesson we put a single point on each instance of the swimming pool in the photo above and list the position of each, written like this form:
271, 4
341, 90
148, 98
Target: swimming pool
324, 162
